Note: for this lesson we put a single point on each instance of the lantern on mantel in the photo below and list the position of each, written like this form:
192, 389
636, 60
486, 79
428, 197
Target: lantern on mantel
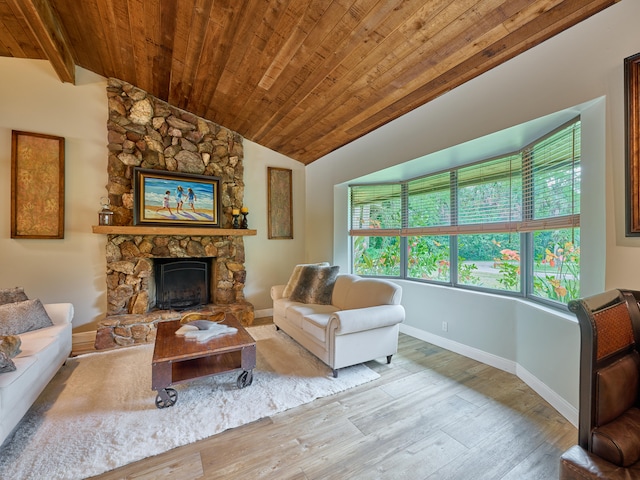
105, 216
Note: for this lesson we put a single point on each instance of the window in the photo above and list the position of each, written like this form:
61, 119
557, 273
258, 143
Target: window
429, 201
376, 208
490, 192
428, 258
490, 261
509, 224
379, 256
556, 270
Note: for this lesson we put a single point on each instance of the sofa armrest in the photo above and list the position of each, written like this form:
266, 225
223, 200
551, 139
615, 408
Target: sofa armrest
360, 319
276, 292
60, 313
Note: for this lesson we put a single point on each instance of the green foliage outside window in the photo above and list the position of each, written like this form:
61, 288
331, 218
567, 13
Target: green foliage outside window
496, 266
376, 256
490, 260
428, 258
466, 275
508, 264
557, 265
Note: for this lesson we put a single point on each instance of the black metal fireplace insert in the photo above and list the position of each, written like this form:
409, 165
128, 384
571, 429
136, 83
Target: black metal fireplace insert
182, 283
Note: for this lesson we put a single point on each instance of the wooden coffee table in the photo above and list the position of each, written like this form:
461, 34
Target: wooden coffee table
177, 359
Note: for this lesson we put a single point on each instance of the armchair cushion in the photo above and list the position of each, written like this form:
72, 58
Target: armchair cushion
578, 464
619, 440
617, 388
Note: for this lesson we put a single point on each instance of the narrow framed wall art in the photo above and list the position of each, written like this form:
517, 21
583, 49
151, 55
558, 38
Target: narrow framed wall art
632, 143
279, 200
37, 185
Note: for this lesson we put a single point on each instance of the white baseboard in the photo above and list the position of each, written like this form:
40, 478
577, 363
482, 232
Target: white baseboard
565, 409
462, 349
560, 404
267, 312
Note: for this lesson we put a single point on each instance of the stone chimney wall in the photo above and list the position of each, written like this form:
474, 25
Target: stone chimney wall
149, 133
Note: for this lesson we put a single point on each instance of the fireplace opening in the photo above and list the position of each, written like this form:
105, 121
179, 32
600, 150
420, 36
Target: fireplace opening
182, 283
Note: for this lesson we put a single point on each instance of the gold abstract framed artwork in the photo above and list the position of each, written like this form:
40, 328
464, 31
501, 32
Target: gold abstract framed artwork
279, 199
632, 124
37, 185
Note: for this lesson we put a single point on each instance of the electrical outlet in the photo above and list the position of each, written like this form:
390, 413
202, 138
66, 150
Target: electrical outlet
445, 326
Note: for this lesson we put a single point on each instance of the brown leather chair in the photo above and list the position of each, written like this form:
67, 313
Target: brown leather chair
609, 414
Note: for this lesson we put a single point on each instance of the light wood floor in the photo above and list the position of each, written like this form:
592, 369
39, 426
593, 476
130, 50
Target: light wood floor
431, 415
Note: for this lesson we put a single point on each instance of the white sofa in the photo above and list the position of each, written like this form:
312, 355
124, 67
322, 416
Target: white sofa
360, 324
43, 352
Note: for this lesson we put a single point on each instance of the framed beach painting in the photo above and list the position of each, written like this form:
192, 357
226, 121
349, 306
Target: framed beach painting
37, 185
171, 198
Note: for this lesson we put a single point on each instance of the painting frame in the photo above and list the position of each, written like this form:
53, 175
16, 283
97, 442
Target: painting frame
279, 203
152, 207
37, 185
632, 143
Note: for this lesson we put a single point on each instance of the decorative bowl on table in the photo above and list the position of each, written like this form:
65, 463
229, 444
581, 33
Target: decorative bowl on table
203, 321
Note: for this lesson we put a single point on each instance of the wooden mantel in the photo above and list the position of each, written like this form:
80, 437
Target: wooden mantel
180, 231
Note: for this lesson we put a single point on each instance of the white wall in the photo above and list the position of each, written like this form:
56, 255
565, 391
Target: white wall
32, 99
270, 262
583, 65
73, 269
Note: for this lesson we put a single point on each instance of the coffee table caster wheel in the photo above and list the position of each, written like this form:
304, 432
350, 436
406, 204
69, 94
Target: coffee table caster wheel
245, 379
166, 398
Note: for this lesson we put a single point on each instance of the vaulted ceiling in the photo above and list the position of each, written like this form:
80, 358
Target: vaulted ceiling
301, 77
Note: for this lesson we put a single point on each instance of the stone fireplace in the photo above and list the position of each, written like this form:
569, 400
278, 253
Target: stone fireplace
130, 268
146, 132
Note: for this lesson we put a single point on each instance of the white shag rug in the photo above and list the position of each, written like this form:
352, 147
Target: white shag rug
99, 412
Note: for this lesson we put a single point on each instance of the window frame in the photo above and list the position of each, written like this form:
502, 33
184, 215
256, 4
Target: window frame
527, 226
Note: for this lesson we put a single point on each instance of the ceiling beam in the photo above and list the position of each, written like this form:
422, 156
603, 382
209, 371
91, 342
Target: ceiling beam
46, 28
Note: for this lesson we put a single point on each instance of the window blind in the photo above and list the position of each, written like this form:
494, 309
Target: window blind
429, 201
537, 188
552, 183
490, 192
376, 209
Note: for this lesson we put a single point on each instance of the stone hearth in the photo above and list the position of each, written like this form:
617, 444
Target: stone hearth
129, 329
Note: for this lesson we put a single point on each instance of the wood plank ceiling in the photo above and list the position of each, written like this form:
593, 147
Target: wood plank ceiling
299, 77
